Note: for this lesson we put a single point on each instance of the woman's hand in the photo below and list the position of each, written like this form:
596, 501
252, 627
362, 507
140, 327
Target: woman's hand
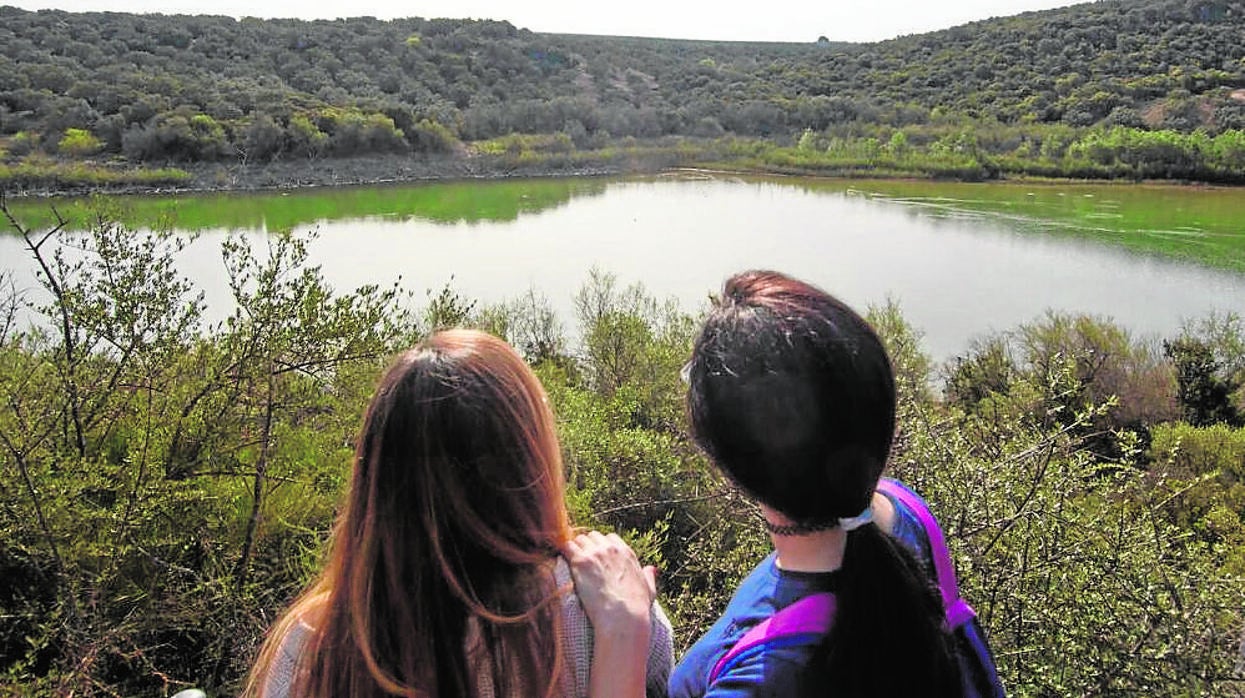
617, 594
613, 588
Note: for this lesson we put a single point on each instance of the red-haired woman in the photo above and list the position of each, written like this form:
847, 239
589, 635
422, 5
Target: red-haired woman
444, 576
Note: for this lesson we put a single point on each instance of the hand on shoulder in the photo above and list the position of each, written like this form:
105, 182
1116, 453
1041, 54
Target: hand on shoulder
616, 592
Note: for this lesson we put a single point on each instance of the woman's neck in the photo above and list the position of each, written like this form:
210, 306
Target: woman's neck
820, 551
817, 551
814, 552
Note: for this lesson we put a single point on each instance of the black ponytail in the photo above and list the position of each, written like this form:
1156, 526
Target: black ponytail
888, 637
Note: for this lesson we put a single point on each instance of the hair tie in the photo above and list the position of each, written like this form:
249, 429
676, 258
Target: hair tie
803, 529
855, 522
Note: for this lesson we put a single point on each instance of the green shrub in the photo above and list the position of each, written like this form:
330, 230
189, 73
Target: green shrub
1083, 583
1204, 470
78, 142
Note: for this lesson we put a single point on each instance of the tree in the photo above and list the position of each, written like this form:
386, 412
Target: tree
428, 136
288, 325
262, 139
305, 138
88, 518
1205, 396
808, 141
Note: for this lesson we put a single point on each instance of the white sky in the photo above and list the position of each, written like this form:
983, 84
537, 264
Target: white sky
732, 20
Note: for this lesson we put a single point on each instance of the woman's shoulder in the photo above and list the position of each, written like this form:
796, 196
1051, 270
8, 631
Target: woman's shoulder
577, 637
907, 526
575, 622
290, 651
575, 619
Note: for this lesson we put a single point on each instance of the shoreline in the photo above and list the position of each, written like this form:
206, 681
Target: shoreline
372, 170
388, 169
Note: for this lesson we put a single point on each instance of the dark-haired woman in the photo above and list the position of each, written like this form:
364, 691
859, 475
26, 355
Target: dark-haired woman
444, 577
792, 396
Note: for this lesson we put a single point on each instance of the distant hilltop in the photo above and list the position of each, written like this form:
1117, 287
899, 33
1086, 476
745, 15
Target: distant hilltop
163, 88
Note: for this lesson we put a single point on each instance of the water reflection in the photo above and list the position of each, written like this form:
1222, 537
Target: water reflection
444, 202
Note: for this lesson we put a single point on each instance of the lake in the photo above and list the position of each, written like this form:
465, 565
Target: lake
961, 260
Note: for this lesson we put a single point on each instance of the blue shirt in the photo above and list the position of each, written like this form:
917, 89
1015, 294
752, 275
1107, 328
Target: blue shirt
766, 590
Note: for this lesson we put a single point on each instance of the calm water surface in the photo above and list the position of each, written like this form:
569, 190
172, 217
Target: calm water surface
961, 260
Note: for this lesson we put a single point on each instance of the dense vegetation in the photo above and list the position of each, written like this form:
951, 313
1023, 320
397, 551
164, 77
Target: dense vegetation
166, 486
1134, 89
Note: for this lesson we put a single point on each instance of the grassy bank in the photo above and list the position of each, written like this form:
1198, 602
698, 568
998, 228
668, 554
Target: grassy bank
44, 175
969, 153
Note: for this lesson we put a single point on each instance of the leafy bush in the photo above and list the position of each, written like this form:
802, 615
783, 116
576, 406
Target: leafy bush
150, 529
167, 487
1203, 469
78, 142
429, 136
1084, 584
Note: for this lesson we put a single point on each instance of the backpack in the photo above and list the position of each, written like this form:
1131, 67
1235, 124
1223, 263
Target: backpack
808, 620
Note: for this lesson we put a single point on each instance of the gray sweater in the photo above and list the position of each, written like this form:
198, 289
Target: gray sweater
576, 643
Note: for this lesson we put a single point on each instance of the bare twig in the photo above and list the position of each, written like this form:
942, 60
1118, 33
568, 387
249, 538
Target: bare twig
663, 502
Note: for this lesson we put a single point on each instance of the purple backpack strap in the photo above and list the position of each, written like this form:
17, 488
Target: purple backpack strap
810, 616
958, 610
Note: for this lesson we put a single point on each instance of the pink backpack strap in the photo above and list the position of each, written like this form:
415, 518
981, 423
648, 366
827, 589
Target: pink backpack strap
808, 618
958, 610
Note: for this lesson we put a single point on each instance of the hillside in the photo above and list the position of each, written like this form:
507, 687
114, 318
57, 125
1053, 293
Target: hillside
156, 88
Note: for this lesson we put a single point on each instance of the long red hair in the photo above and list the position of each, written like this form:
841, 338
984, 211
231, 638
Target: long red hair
439, 576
